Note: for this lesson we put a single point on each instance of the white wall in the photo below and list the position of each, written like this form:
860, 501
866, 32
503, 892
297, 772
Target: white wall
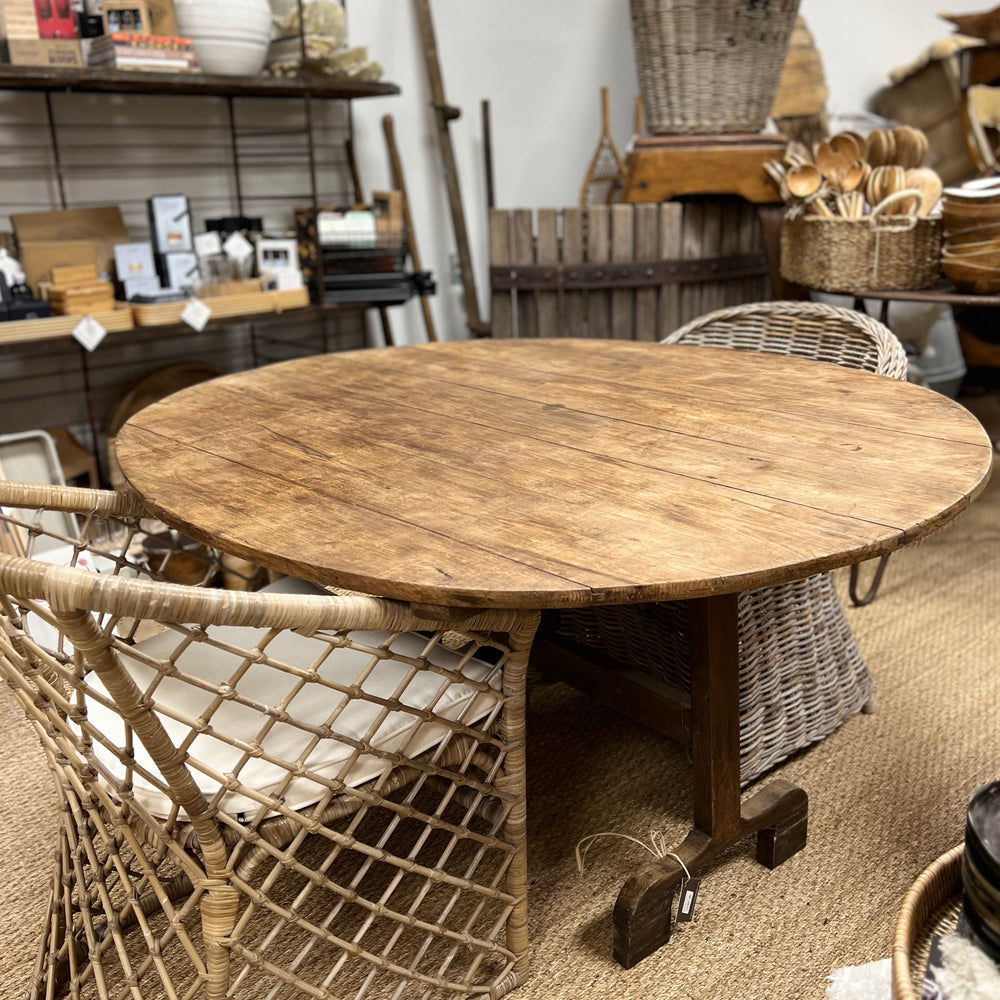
541, 64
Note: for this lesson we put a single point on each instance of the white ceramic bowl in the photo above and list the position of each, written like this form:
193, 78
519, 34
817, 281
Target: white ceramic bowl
230, 56
230, 36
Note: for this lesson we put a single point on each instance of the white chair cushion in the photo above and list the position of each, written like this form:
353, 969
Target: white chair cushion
266, 686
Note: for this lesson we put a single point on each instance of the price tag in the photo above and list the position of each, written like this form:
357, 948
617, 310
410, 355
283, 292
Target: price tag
207, 244
689, 894
237, 247
196, 314
89, 332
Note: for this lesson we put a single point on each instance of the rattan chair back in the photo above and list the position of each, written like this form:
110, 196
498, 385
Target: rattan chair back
269, 793
810, 330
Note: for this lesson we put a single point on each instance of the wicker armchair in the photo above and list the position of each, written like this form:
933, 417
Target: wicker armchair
801, 673
270, 793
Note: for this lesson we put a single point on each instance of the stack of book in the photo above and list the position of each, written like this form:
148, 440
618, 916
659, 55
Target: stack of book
130, 50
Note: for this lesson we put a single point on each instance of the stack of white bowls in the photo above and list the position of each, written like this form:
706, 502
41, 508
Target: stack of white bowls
230, 37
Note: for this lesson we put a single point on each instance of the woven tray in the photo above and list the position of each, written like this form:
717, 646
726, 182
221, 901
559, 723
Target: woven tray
22, 330
224, 306
887, 253
930, 907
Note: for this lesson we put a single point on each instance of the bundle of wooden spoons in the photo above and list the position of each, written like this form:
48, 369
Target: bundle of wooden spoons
849, 175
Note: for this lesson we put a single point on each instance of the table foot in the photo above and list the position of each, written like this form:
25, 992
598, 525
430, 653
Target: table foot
777, 843
643, 915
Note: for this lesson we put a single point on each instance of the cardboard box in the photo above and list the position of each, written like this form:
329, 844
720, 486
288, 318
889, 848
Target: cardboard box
18, 19
71, 236
56, 53
39, 257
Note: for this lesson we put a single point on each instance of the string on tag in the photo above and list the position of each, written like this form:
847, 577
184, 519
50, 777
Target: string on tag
656, 846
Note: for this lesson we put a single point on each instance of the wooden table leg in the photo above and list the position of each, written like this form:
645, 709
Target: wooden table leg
776, 814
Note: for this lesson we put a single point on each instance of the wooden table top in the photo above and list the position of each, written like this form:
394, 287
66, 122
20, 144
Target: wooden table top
554, 473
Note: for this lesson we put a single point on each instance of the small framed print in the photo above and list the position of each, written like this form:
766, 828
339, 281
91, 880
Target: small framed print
126, 15
277, 255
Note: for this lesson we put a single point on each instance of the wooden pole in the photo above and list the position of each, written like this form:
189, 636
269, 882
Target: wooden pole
399, 183
444, 113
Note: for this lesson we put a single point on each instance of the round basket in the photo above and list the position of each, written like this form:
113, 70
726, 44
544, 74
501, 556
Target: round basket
710, 66
931, 906
852, 256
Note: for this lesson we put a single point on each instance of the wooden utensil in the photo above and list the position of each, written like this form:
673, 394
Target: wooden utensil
855, 176
928, 183
804, 180
910, 146
881, 147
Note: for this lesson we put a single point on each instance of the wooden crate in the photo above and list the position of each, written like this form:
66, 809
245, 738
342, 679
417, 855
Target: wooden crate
631, 271
22, 331
224, 306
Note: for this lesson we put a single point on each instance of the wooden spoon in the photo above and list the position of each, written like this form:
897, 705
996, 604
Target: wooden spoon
884, 181
928, 183
847, 147
803, 180
909, 143
855, 176
881, 147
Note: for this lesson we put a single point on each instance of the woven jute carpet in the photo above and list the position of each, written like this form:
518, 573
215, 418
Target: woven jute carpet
887, 796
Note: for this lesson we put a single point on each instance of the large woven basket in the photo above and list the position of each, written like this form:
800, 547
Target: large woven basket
886, 253
710, 66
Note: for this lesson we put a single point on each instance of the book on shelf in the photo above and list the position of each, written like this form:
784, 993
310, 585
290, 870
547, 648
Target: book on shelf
133, 51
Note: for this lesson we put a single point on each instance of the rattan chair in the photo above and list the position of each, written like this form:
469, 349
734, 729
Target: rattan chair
269, 794
801, 673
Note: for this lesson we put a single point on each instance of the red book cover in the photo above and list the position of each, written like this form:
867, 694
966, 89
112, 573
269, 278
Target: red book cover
55, 19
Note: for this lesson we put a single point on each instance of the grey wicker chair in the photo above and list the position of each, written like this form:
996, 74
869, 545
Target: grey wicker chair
801, 673
270, 793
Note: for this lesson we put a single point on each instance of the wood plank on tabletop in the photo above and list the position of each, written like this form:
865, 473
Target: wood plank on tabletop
502, 315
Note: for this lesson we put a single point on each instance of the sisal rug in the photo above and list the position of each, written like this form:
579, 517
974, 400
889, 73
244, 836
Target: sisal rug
887, 796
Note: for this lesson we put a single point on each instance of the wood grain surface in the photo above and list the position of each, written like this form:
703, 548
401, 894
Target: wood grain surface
554, 472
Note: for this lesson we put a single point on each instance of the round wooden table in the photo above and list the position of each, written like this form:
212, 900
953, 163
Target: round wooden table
561, 473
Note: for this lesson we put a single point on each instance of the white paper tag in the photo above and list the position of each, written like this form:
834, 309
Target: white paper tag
237, 247
207, 244
89, 332
196, 314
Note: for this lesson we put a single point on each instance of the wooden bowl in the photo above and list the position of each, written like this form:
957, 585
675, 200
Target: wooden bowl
969, 277
976, 232
973, 248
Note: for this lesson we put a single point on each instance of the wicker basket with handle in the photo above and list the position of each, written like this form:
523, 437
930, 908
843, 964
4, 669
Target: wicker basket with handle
710, 66
876, 253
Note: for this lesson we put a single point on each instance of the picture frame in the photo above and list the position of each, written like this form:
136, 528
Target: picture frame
277, 254
126, 16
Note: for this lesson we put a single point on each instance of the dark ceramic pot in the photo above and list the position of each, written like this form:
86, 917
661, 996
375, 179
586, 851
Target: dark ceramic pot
981, 868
